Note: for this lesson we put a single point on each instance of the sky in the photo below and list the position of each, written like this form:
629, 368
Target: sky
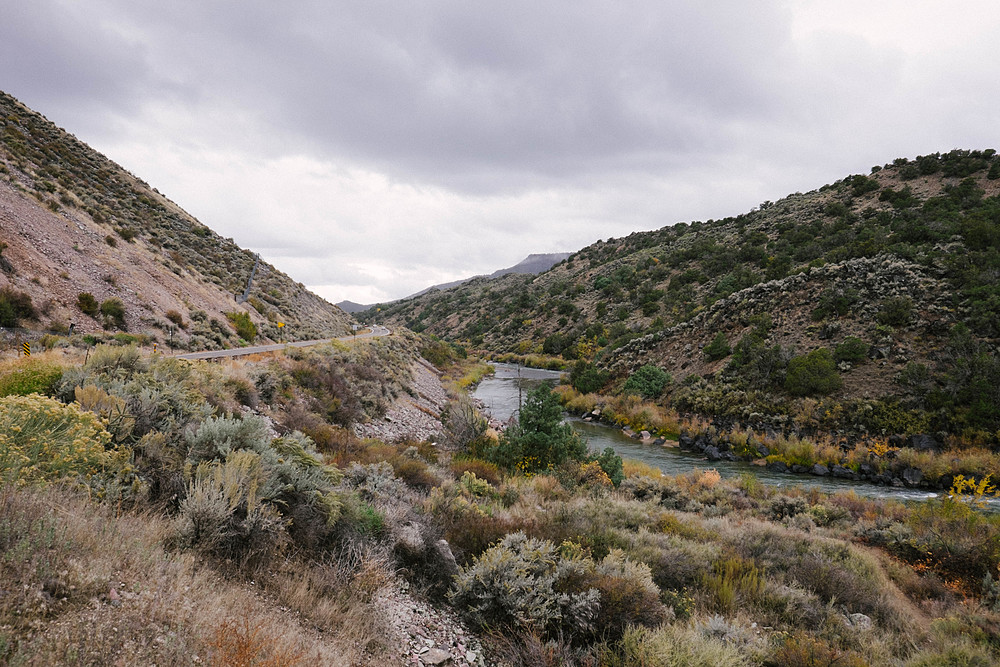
371, 149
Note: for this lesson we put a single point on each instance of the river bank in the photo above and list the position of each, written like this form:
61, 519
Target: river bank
873, 468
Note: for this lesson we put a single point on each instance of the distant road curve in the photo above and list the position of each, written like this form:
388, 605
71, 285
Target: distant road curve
377, 330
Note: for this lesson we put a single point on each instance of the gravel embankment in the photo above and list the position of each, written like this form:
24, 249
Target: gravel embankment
415, 416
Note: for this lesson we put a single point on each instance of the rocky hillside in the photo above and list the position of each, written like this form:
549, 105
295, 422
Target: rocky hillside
73, 222
890, 279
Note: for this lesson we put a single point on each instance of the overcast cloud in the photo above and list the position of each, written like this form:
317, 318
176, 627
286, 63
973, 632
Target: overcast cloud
372, 148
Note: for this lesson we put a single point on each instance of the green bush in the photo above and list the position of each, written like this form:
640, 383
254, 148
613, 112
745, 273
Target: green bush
718, 348
852, 349
813, 373
244, 327
29, 376
113, 311
895, 311
649, 382
587, 378
87, 304
539, 440
14, 307
612, 465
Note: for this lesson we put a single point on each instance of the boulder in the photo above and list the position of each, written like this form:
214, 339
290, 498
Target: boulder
685, 441
660, 441
712, 453
645, 435
912, 476
924, 443
860, 621
799, 469
842, 472
777, 466
628, 433
763, 450
819, 470
409, 540
435, 656
448, 562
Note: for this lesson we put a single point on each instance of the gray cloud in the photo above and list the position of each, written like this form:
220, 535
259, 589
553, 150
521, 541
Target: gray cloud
452, 138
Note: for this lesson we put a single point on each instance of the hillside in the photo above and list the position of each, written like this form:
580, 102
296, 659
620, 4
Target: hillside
74, 222
896, 270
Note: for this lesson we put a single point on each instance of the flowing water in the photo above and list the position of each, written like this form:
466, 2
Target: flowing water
501, 392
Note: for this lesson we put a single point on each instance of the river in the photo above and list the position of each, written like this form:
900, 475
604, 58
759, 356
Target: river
500, 393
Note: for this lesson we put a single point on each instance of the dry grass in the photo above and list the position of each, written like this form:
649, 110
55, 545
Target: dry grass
633, 468
106, 592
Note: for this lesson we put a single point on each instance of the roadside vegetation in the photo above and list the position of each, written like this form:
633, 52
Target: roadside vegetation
153, 510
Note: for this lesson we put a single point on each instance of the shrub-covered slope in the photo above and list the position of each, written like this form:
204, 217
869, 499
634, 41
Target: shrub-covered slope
74, 223
153, 510
894, 274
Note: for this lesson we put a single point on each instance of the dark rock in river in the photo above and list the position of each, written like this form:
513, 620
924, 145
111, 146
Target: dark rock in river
712, 453
912, 476
842, 472
820, 470
777, 466
798, 469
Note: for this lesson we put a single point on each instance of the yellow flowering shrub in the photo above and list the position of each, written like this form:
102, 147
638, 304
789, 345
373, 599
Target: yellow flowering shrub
42, 439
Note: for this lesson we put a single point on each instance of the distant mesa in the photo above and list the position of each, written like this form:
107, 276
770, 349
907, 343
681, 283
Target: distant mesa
532, 264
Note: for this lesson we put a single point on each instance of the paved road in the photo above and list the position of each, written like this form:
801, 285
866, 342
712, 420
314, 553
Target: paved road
377, 330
